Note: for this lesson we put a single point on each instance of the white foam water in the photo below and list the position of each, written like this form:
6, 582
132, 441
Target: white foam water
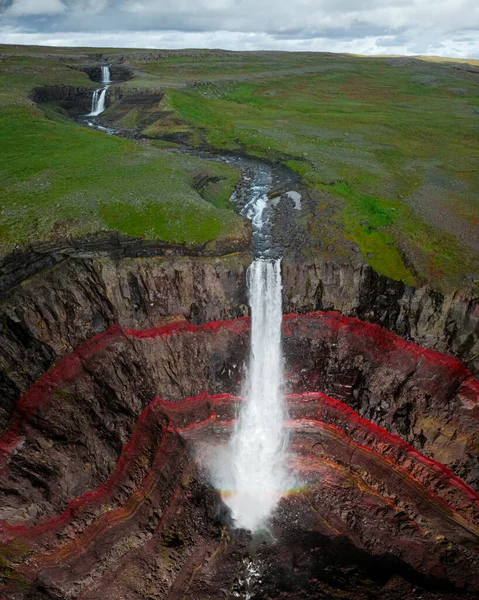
98, 102
105, 74
258, 443
99, 95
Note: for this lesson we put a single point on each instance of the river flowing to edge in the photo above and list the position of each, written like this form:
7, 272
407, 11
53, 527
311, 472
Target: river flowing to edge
251, 473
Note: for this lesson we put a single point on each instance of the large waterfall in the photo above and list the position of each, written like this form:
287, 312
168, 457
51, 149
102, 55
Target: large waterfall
258, 443
99, 95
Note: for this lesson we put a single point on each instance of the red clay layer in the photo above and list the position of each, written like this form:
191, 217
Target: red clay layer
354, 419
105, 491
191, 413
70, 367
351, 421
373, 338
309, 409
196, 412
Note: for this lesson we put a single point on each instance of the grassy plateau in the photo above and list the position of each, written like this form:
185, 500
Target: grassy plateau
387, 149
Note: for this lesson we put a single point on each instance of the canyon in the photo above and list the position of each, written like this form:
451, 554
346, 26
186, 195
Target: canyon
118, 374
123, 363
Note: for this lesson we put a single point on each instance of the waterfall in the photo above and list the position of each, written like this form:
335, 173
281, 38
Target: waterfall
99, 95
98, 102
258, 443
105, 74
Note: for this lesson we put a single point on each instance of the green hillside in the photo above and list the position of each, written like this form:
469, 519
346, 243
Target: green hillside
387, 147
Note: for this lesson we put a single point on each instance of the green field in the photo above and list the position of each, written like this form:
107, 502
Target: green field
394, 145
59, 179
387, 147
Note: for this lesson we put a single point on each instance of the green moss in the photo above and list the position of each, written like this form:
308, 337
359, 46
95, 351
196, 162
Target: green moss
369, 133
66, 180
366, 130
10, 556
62, 394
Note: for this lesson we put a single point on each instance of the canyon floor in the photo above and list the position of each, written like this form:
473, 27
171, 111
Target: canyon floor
125, 328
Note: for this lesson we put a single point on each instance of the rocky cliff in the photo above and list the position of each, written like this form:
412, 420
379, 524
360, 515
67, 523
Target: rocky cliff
54, 311
445, 322
119, 373
105, 487
74, 99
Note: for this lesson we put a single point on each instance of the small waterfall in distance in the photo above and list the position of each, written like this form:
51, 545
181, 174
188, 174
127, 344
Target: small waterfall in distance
105, 74
98, 102
99, 95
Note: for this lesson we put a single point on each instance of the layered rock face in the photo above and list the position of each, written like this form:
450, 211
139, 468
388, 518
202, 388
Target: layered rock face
445, 322
51, 314
106, 493
75, 100
118, 72
121, 376
49, 309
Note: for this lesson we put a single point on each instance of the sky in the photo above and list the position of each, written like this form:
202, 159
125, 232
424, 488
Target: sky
434, 27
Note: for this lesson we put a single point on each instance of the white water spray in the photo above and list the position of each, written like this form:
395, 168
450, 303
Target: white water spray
259, 441
98, 102
105, 74
99, 95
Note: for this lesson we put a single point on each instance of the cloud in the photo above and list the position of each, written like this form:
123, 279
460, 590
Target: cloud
22, 8
367, 26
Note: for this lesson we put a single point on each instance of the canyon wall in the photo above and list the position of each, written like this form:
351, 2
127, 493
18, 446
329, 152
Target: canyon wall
444, 322
52, 313
58, 308
103, 480
118, 372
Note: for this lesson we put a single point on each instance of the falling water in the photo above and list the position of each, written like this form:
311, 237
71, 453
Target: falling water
105, 74
258, 442
98, 102
99, 95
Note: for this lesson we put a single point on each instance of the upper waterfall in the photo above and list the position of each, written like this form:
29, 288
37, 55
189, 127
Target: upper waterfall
105, 74
99, 96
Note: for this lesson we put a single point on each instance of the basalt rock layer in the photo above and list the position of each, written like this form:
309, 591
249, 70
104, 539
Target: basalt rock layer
69, 295
105, 491
118, 72
75, 100
52, 313
445, 322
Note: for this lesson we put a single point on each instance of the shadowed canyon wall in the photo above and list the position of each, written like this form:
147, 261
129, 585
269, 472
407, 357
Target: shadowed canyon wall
116, 373
60, 307
95, 468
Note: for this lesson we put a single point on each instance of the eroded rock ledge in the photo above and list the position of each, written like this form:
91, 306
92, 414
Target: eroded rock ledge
447, 323
76, 100
102, 496
54, 311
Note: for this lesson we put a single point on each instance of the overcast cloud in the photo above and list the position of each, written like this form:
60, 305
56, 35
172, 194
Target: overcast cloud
443, 27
